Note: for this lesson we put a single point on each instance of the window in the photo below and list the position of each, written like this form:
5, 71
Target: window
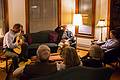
42, 15
87, 9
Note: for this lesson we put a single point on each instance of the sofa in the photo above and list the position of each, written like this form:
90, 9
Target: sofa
80, 73
48, 37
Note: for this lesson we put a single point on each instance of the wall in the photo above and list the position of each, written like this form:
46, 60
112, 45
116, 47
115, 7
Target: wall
17, 14
67, 11
16, 10
101, 13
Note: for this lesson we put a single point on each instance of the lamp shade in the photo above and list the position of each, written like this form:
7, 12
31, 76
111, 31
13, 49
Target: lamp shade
101, 23
77, 19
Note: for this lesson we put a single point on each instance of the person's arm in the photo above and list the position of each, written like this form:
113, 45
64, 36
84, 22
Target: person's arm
25, 75
18, 71
110, 44
71, 37
9, 42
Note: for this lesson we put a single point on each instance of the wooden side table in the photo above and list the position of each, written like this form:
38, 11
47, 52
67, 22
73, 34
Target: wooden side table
6, 65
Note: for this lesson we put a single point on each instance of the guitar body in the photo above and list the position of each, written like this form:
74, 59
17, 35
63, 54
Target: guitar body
18, 49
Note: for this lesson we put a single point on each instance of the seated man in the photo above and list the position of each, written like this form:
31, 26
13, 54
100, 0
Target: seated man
42, 67
67, 37
111, 47
9, 44
113, 41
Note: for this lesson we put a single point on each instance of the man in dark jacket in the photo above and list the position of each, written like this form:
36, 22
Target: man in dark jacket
42, 67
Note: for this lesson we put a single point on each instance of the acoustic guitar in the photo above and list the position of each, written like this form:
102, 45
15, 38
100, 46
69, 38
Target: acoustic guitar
18, 49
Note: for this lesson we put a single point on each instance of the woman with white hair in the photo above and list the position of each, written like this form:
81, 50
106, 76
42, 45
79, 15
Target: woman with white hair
42, 67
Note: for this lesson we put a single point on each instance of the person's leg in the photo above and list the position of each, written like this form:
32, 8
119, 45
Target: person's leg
24, 53
14, 58
109, 58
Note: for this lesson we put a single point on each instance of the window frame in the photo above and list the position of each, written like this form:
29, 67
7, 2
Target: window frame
28, 18
85, 35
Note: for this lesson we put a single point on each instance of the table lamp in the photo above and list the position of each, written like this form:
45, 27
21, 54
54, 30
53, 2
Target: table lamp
77, 21
101, 23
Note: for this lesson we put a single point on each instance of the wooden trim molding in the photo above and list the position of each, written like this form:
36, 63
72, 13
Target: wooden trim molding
93, 20
108, 19
76, 6
59, 12
27, 14
6, 16
93, 17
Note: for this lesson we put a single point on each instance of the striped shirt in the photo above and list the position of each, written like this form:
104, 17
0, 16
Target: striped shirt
110, 43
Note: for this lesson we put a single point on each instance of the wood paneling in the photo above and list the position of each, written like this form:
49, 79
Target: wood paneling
6, 16
114, 14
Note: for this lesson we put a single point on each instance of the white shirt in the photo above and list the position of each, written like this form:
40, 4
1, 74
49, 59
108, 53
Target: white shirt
8, 40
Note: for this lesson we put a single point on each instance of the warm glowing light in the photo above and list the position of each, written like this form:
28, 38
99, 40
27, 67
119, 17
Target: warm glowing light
101, 23
77, 19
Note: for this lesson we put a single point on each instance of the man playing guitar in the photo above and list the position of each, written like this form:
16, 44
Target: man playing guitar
9, 44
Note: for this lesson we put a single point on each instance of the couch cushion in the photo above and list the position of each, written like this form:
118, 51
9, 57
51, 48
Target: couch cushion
40, 37
36, 45
51, 44
53, 36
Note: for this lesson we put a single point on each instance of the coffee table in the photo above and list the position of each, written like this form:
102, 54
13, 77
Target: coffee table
57, 57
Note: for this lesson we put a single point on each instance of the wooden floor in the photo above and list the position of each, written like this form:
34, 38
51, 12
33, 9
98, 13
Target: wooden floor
115, 76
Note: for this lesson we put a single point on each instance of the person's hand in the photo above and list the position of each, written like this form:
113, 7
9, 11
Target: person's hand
20, 42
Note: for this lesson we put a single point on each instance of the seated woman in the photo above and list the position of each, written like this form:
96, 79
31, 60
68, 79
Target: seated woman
70, 58
42, 67
95, 57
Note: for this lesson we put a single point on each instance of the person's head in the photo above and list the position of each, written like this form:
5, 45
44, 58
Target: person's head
64, 27
43, 53
70, 57
115, 34
17, 28
96, 52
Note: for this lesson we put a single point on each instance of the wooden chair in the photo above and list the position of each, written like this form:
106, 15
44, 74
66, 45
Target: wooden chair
7, 63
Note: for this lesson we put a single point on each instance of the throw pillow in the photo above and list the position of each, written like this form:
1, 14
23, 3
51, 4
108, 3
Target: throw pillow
28, 38
53, 36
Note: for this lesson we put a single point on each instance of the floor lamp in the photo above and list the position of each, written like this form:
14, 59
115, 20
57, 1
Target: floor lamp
101, 23
77, 21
